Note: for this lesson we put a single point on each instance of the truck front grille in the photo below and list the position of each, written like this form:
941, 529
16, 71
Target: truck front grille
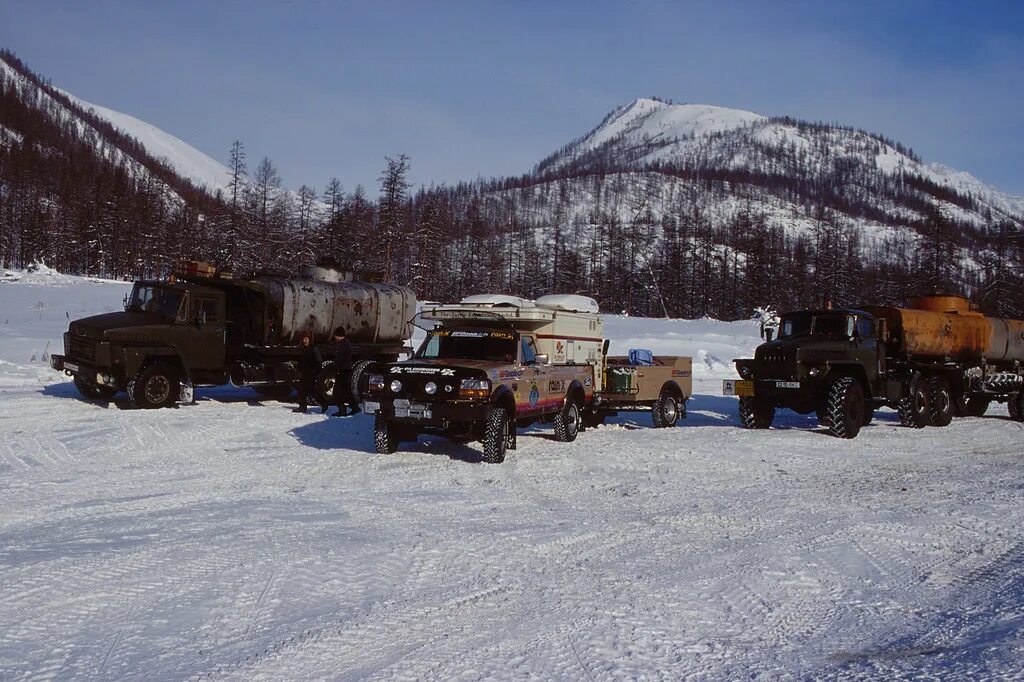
776, 364
81, 349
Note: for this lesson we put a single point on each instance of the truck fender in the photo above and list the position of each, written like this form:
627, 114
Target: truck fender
848, 369
504, 397
136, 358
577, 392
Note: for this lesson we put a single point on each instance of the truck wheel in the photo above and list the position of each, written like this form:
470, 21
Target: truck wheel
496, 435
756, 414
975, 406
357, 375
915, 408
940, 409
93, 391
156, 385
665, 411
385, 436
1016, 405
567, 422
844, 408
323, 384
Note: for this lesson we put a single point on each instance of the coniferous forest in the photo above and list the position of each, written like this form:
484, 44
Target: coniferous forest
687, 238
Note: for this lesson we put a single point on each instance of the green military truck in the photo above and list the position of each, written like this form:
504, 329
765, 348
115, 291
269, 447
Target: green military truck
933, 360
202, 326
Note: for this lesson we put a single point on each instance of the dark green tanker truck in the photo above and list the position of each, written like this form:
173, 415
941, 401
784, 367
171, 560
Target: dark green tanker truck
201, 327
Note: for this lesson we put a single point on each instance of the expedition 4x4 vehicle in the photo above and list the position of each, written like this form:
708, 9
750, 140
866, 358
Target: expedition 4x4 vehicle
487, 366
493, 363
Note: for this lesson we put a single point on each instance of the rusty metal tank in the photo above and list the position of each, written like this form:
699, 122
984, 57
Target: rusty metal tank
370, 313
945, 326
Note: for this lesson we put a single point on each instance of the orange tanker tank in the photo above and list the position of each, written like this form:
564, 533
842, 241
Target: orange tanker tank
946, 327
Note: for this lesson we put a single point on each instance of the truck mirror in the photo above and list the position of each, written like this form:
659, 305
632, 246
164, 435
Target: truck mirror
767, 333
541, 359
763, 329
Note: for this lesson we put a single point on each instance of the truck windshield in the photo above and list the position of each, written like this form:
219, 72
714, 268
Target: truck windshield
795, 325
469, 344
155, 299
800, 324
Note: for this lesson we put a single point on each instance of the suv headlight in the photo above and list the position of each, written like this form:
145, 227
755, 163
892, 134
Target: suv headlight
474, 388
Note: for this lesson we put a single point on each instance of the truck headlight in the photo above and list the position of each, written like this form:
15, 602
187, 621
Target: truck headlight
474, 388
375, 382
814, 371
430, 388
396, 386
746, 372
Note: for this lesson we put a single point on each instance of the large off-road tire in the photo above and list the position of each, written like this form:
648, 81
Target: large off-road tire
665, 411
93, 391
940, 406
568, 421
156, 385
357, 375
756, 414
496, 435
915, 407
1016, 405
385, 436
844, 407
975, 406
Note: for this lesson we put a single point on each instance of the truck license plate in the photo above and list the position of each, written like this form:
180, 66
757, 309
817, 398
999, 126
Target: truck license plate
787, 384
740, 387
71, 367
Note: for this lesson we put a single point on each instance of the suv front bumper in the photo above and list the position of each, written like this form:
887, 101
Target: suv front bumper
438, 413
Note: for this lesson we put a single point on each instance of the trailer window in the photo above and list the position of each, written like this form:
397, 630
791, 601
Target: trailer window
495, 346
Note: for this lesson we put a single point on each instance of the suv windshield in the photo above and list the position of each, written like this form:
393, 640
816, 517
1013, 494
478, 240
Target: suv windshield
147, 298
469, 344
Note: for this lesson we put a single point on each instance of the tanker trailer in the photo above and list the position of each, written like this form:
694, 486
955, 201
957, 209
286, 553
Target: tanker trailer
954, 361
205, 327
929, 361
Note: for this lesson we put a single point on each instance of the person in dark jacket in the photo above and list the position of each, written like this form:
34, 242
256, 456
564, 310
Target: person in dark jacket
342, 349
310, 360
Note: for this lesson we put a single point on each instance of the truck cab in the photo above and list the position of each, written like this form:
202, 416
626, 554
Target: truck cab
831, 362
168, 333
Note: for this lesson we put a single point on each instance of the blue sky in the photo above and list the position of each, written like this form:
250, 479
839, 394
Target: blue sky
471, 89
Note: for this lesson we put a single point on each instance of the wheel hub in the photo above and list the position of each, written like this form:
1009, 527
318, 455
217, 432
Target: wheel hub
157, 389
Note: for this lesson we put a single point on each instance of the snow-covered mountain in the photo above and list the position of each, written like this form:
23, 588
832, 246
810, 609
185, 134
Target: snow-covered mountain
187, 161
649, 133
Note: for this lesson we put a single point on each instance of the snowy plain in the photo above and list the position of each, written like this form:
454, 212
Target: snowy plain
235, 539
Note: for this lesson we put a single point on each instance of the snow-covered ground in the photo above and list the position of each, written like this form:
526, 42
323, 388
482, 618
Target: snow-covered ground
233, 538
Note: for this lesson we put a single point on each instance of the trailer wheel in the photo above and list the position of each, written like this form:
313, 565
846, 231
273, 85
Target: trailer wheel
915, 407
940, 408
93, 391
496, 435
975, 406
756, 414
1016, 405
156, 385
665, 411
385, 436
844, 408
567, 421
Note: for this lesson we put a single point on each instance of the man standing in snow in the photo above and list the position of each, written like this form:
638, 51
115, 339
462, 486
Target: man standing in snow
309, 366
342, 348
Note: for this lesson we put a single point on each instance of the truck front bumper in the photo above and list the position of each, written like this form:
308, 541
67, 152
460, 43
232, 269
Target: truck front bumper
430, 414
802, 396
73, 367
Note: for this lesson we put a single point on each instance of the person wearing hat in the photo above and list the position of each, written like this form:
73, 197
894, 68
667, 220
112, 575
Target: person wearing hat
343, 397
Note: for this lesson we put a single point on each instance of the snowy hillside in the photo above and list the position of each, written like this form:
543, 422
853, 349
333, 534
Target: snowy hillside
235, 539
186, 160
